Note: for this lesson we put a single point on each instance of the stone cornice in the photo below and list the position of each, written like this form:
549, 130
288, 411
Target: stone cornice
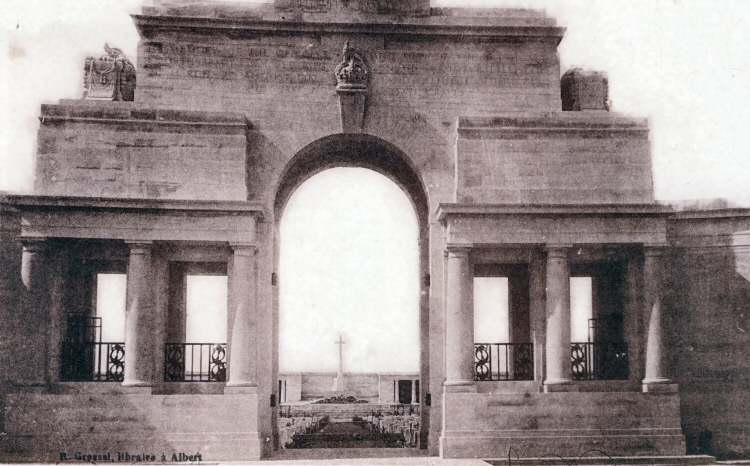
379, 26
733, 212
446, 210
128, 113
558, 122
37, 202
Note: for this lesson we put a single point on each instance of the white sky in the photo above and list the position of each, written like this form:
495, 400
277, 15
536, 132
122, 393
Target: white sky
684, 64
491, 321
349, 264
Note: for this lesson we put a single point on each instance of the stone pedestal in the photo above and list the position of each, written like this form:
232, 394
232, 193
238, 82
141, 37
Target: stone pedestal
557, 348
242, 350
139, 316
352, 109
459, 325
655, 370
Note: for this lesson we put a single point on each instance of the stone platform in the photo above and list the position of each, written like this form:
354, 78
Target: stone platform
571, 425
41, 427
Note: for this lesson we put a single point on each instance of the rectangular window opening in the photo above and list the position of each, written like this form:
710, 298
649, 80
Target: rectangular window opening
203, 355
581, 308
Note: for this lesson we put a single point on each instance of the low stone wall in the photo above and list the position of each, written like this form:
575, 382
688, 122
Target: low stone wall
42, 427
348, 411
370, 386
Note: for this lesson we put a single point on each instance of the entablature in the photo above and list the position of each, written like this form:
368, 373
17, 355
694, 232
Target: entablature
492, 224
136, 219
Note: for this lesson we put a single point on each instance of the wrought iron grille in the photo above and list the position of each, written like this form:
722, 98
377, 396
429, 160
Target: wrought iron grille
503, 361
93, 361
195, 362
599, 361
85, 358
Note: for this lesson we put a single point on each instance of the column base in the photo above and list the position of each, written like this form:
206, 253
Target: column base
659, 386
141, 388
460, 386
559, 385
136, 383
241, 388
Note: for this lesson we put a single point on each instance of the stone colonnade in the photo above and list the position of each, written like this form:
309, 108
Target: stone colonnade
556, 328
37, 272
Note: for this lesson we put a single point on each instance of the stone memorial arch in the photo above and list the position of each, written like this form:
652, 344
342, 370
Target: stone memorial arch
514, 170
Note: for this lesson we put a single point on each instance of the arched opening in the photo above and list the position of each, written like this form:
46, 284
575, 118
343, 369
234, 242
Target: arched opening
351, 262
347, 234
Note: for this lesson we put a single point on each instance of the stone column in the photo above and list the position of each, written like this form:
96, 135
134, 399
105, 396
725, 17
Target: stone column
139, 316
413, 391
538, 311
34, 268
34, 312
557, 348
57, 283
655, 373
242, 302
459, 322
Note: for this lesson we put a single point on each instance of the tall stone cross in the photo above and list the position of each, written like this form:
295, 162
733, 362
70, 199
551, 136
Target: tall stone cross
338, 384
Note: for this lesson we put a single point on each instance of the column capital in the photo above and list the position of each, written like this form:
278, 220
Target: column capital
139, 246
458, 250
654, 249
559, 251
33, 244
244, 249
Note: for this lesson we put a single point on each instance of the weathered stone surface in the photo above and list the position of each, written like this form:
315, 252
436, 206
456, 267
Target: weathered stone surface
11, 339
150, 424
129, 151
584, 90
481, 425
145, 220
544, 159
400, 7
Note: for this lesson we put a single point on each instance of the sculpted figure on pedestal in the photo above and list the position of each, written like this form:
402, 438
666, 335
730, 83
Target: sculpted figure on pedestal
109, 77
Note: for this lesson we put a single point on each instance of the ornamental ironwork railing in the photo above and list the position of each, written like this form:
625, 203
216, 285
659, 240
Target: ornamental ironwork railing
599, 360
503, 361
93, 361
195, 362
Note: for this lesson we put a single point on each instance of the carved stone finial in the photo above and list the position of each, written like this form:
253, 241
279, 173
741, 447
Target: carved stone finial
353, 71
109, 77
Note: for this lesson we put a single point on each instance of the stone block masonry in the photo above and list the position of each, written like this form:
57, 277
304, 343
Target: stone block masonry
215, 427
124, 150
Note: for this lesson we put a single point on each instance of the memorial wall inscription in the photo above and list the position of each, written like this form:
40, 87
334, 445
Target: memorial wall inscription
435, 71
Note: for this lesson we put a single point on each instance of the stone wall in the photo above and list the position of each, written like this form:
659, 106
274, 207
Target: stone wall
372, 387
708, 291
218, 427
113, 149
561, 424
281, 78
567, 158
10, 273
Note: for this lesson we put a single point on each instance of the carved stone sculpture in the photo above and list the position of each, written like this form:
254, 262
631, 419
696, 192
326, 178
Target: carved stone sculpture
352, 80
109, 77
353, 71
